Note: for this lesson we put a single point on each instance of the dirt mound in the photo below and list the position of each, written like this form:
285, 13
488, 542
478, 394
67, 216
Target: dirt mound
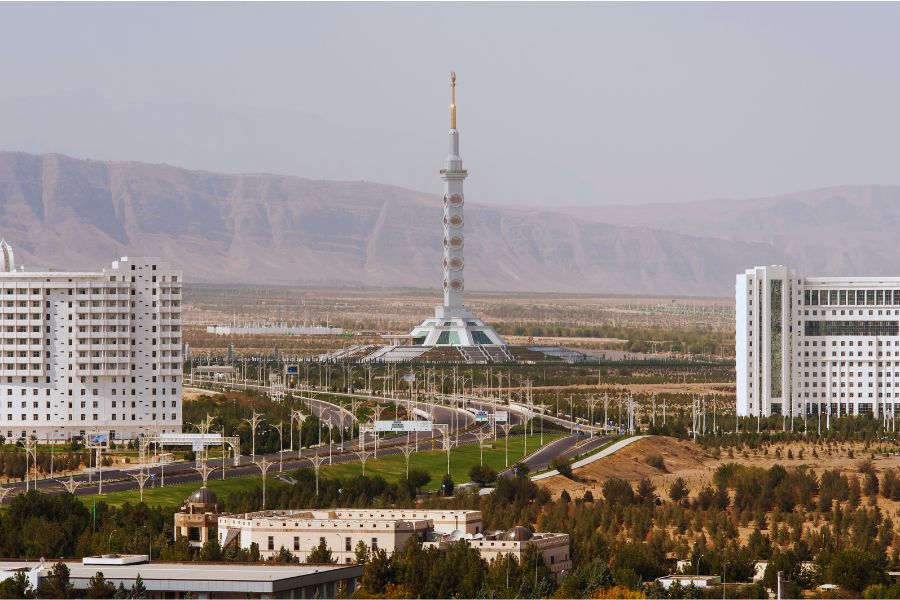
639, 460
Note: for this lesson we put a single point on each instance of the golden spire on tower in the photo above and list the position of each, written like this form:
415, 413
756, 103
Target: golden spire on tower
452, 99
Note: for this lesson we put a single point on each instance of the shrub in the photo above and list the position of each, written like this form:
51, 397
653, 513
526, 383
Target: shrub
618, 491
678, 491
656, 461
482, 474
564, 466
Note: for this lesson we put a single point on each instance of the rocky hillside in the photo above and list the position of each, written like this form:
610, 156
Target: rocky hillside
260, 228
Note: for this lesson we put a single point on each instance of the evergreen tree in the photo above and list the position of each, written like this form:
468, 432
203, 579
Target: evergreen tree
56, 584
16, 586
361, 553
138, 590
99, 587
678, 491
321, 554
286, 556
211, 551
377, 573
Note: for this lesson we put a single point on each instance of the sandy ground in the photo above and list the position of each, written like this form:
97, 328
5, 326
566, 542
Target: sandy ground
687, 460
682, 459
190, 393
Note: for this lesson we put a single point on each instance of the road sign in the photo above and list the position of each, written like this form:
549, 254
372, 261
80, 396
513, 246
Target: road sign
197, 447
481, 416
501, 416
381, 426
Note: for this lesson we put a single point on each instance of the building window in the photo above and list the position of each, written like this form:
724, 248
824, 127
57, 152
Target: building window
347, 544
374, 544
271, 542
296, 542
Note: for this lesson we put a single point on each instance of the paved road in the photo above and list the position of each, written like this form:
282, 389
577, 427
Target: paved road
458, 420
566, 447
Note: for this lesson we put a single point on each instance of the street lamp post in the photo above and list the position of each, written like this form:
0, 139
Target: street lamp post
254, 420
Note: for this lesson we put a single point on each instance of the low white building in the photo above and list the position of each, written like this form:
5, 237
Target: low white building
342, 529
200, 580
698, 581
554, 547
89, 351
300, 531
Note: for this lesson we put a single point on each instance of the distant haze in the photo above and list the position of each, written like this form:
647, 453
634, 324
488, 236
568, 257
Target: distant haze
560, 104
273, 229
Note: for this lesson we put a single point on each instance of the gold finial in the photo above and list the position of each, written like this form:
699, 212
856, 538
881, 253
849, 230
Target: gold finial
452, 99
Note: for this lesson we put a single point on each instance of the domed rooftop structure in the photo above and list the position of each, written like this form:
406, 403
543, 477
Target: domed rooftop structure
202, 500
517, 534
204, 495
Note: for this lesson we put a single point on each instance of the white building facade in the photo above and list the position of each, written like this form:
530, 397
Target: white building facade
90, 352
816, 345
342, 529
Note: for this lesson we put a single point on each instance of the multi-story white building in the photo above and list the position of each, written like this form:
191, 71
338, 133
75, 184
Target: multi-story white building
85, 352
816, 345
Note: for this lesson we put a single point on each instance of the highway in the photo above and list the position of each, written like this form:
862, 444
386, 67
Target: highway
119, 479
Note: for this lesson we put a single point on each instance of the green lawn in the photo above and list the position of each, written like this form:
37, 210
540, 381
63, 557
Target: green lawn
175, 495
393, 468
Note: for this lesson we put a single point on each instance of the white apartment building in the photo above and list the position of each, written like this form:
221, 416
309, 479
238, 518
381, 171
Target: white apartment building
816, 345
89, 352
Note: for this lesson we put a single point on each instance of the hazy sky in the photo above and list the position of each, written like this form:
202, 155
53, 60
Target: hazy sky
560, 104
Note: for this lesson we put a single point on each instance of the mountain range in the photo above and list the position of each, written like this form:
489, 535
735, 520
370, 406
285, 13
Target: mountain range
69, 213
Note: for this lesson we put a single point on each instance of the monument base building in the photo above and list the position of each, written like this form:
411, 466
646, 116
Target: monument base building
816, 345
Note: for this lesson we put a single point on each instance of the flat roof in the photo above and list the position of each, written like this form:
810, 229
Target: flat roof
188, 576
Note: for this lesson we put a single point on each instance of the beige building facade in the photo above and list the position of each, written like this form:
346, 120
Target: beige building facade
300, 531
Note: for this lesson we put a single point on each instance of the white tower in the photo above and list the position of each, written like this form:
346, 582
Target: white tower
453, 324
454, 265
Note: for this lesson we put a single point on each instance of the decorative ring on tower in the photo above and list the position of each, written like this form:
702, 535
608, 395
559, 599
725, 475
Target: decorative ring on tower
456, 242
445, 199
455, 263
456, 200
446, 284
456, 221
456, 285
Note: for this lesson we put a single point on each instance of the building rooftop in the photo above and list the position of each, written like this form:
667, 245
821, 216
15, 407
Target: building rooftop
199, 576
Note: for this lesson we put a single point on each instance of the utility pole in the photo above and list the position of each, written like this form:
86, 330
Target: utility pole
253, 421
297, 415
506, 427
69, 485
481, 436
407, 450
141, 477
363, 457
317, 461
264, 465
31, 451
